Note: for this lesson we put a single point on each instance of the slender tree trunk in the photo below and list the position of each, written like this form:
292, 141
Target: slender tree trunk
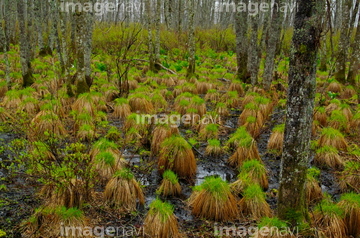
355, 58
342, 54
25, 51
254, 49
88, 46
241, 43
274, 34
81, 84
191, 39
299, 113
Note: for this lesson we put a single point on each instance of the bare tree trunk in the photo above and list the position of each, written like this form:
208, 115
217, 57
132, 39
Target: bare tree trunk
343, 43
273, 34
81, 84
88, 46
299, 113
38, 18
241, 43
254, 49
191, 39
355, 58
25, 51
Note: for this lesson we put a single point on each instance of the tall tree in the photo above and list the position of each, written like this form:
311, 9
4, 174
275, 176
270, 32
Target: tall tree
299, 113
241, 42
191, 39
80, 18
273, 38
25, 50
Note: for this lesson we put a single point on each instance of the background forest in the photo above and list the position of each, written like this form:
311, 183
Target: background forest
179, 118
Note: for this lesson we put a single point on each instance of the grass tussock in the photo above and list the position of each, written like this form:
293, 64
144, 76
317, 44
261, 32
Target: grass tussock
160, 221
332, 137
246, 150
328, 217
329, 156
313, 191
253, 203
214, 148
121, 108
276, 140
213, 200
123, 192
170, 185
349, 179
177, 155
256, 172
350, 204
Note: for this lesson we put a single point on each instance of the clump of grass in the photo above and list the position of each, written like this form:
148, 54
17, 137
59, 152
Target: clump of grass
320, 115
210, 131
256, 172
350, 204
213, 148
253, 203
329, 217
106, 158
332, 137
312, 188
170, 185
123, 192
141, 103
349, 179
213, 200
121, 108
246, 150
339, 121
160, 133
160, 221
177, 155
276, 140
328, 155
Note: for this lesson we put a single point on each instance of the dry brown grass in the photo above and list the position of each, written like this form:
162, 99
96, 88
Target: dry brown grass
5, 116
334, 87
328, 218
247, 150
213, 200
46, 123
350, 203
276, 140
141, 103
349, 179
348, 92
332, 137
236, 86
176, 154
160, 133
121, 109
65, 193
328, 155
213, 148
320, 116
86, 133
85, 104
253, 203
170, 185
202, 87
160, 222
212, 95
123, 192
313, 190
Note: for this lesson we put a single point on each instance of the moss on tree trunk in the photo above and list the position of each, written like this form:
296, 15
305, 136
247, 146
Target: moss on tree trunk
299, 116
